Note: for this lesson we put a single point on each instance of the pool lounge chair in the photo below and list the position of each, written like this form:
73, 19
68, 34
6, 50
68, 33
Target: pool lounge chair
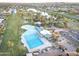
48, 48
44, 51
35, 53
29, 54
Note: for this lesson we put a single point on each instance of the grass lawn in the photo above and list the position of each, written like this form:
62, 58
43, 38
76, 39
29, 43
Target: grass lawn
11, 42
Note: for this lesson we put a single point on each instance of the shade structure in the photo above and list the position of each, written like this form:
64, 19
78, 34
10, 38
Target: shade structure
1, 20
44, 32
28, 27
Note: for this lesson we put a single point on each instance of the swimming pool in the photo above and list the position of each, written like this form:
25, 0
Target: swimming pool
32, 39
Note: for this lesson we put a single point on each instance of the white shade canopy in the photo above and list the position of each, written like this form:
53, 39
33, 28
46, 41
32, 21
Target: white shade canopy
1, 20
28, 27
44, 32
38, 23
45, 14
31, 9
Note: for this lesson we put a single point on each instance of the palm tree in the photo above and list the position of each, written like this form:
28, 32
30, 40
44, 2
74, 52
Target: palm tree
42, 20
10, 44
56, 35
65, 22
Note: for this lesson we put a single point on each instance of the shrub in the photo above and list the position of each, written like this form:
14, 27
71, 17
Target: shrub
77, 50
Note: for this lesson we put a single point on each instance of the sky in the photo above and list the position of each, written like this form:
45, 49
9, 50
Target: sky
37, 1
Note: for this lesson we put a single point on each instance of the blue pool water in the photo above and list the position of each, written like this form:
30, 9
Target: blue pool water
32, 39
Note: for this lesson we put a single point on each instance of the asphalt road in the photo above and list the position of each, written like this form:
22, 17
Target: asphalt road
70, 34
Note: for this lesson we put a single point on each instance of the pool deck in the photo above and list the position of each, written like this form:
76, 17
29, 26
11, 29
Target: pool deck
45, 44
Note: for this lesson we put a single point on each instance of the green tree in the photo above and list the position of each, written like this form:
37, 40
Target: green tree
77, 50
